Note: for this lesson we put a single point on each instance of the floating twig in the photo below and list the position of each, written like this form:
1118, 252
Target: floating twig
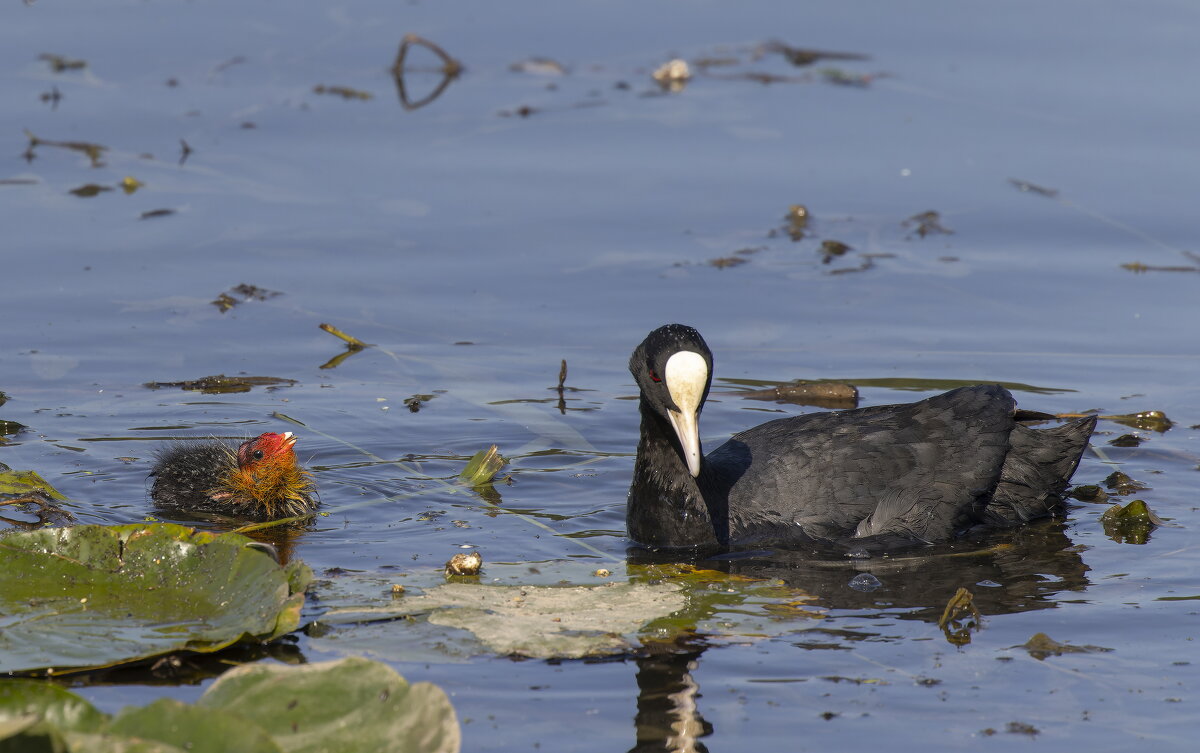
351, 342
450, 70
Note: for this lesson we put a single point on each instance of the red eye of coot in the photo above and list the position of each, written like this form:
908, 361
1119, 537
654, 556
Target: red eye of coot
654, 376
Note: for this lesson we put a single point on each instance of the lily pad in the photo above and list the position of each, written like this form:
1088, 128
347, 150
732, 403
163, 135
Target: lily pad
347, 705
540, 617
95, 596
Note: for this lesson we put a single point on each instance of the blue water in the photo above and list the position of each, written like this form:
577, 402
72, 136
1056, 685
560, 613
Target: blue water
570, 233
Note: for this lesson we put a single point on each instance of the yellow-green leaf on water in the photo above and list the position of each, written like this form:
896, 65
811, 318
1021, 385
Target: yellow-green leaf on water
97, 596
26, 482
483, 467
1130, 524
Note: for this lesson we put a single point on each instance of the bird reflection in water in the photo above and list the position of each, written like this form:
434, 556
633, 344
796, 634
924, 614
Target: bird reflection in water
1010, 571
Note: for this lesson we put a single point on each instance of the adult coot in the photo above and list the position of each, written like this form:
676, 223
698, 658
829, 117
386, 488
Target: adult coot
258, 478
870, 478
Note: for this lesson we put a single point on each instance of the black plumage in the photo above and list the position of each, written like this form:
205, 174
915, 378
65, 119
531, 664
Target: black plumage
870, 478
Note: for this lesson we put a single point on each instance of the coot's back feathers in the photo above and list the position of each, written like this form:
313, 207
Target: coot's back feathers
872, 477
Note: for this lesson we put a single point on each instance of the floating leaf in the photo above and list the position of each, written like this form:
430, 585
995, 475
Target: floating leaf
348, 705
219, 384
1122, 483
960, 617
1041, 646
1089, 493
1130, 524
483, 467
26, 482
601, 616
97, 596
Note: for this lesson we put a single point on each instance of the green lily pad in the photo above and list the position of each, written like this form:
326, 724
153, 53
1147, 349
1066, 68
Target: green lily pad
347, 705
95, 596
196, 729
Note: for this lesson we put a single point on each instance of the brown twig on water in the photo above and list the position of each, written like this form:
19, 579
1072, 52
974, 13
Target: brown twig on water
450, 70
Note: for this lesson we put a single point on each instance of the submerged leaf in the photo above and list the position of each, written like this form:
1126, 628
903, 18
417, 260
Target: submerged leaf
96, 596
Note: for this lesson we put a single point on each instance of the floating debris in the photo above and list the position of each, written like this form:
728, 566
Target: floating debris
11, 427
450, 70
243, 293
59, 64
539, 67
415, 402
54, 96
839, 77
797, 221
219, 384
1041, 646
673, 75
1137, 267
1122, 484
483, 466
1150, 420
960, 618
836, 395
88, 190
93, 151
1130, 524
1126, 440
927, 223
185, 151
1027, 187
464, 564
345, 92
802, 56
830, 250
1089, 493
153, 213
725, 262
350, 340
130, 184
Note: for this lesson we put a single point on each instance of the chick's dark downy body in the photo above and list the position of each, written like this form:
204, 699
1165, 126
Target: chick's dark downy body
259, 478
871, 478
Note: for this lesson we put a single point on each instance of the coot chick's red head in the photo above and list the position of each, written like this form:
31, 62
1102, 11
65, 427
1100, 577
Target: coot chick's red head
259, 478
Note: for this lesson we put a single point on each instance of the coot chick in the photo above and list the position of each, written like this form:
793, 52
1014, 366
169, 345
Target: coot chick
259, 478
867, 479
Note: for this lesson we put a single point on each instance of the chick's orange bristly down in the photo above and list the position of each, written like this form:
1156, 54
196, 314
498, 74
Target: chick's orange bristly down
259, 478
